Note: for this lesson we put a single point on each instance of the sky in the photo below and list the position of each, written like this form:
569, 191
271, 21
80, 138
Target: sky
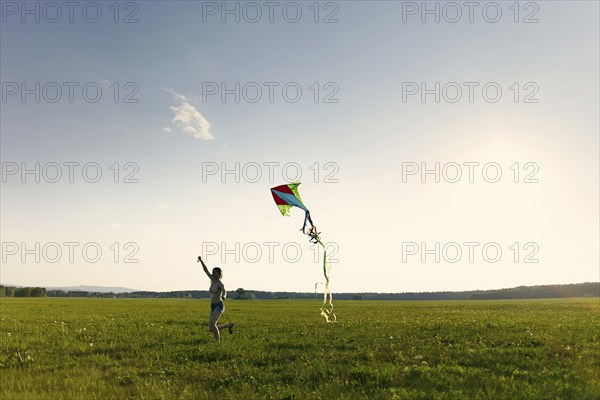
440, 147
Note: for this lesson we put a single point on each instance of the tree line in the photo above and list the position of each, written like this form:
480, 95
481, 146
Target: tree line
11, 291
587, 289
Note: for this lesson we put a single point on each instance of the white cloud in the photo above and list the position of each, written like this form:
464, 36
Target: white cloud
175, 94
188, 119
167, 129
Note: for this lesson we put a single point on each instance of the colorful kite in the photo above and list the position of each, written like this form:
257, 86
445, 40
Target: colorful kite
286, 197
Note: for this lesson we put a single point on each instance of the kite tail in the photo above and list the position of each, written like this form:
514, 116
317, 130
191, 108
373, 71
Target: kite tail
310, 229
327, 307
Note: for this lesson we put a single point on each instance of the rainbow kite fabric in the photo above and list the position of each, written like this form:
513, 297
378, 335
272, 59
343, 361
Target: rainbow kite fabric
286, 197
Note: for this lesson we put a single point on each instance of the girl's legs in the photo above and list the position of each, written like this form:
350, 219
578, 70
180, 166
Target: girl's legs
214, 327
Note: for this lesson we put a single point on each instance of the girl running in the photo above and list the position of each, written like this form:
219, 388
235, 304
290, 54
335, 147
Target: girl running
217, 296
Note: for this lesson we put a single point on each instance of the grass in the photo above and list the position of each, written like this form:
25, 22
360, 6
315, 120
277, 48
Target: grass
52, 348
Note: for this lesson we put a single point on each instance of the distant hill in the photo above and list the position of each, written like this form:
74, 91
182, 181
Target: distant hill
92, 289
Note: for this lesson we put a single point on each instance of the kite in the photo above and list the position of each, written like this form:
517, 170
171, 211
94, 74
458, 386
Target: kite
286, 197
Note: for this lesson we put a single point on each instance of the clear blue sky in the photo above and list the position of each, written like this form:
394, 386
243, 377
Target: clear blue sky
170, 56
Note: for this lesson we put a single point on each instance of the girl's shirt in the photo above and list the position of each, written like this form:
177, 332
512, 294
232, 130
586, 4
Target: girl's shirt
217, 291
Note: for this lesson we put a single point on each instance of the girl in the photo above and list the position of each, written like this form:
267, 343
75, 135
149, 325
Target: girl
217, 295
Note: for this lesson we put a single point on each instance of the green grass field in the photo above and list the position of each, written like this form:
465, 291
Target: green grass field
54, 348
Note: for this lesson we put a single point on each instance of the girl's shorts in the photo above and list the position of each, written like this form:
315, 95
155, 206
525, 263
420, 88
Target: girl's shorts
219, 306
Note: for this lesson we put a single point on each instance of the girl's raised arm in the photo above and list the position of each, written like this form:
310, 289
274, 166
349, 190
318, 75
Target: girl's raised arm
204, 267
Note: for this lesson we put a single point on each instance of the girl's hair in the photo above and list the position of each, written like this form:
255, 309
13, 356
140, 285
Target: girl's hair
217, 270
